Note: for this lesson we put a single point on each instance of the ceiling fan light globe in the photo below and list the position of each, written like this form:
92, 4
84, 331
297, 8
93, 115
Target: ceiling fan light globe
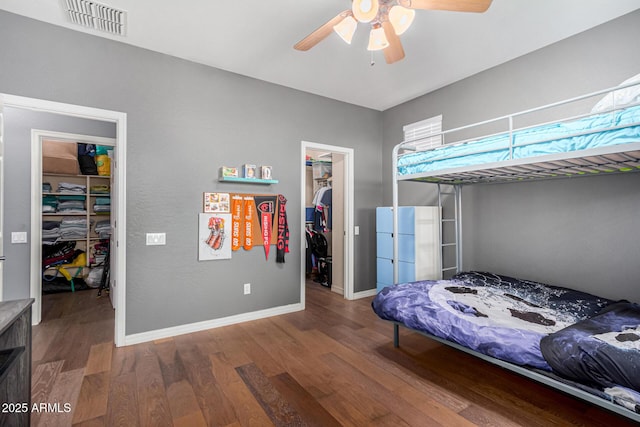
365, 10
401, 18
346, 28
377, 39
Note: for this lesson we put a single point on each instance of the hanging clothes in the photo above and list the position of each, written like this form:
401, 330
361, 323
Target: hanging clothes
319, 223
317, 249
322, 209
325, 201
308, 253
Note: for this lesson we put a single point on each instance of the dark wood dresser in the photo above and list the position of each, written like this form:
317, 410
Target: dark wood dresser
15, 363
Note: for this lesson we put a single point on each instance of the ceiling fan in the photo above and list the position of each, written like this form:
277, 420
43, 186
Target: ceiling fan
388, 18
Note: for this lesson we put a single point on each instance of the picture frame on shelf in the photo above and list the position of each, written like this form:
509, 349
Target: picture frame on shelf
226, 171
265, 172
249, 171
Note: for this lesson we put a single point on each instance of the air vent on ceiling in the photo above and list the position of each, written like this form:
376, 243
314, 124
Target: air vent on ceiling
98, 16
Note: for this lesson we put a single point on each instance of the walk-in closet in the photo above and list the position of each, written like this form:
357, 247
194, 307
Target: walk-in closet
318, 218
76, 212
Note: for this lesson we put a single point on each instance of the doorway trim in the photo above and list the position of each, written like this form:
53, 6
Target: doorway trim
119, 182
348, 280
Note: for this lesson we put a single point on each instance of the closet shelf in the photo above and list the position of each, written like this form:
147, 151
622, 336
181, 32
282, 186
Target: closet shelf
97, 182
75, 175
248, 180
77, 194
81, 239
105, 214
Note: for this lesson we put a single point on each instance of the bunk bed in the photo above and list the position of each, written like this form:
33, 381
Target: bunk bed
579, 343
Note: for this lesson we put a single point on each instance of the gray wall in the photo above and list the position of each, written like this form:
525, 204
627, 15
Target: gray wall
184, 122
17, 188
578, 232
582, 233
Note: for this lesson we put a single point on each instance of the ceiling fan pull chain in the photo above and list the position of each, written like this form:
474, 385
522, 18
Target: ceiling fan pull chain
373, 62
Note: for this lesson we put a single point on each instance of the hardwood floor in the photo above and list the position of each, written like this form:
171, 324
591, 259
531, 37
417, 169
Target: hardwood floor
330, 365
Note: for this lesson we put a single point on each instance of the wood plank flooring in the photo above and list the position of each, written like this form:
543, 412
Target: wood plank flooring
330, 365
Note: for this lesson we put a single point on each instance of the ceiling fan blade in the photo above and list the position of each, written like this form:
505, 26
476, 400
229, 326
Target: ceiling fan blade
321, 33
477, 6
394, 52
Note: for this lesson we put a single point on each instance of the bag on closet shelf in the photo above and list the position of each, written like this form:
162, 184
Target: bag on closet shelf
103, 161
94, 278
86, 159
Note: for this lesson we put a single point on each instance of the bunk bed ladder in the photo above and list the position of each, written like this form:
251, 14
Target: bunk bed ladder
456, 220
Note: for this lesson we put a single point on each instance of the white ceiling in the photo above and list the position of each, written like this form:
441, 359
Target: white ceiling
256, 37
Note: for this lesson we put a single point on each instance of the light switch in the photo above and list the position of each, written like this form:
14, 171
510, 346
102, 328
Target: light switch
156, 239
19, 237
356, 230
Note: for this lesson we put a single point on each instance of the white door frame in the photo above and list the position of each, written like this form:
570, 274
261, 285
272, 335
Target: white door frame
1, 198
349, 286
119, 183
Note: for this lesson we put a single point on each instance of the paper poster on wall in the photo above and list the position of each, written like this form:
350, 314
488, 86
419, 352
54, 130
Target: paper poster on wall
214, 232
217, 202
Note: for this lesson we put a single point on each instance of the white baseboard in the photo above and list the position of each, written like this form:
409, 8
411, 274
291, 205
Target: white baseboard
365, 294
209, 324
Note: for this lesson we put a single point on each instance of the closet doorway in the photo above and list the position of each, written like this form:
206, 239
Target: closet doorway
78, 204
118, 197
327, 204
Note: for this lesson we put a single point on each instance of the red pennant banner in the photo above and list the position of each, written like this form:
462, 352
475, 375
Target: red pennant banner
265, 205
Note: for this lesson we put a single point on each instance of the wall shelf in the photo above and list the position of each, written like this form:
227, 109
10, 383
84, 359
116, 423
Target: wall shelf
248, 180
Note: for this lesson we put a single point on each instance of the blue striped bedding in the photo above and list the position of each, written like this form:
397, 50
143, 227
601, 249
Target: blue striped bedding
537, 141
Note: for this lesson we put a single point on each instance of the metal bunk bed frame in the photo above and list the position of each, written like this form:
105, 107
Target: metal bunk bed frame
609, 159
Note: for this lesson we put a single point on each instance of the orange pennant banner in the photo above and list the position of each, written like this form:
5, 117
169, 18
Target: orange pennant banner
237, 222
249, 207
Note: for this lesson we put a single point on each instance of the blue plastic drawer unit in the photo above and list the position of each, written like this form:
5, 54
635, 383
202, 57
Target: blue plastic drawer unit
418, 244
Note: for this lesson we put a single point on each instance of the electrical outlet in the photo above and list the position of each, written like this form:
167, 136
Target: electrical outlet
247, 288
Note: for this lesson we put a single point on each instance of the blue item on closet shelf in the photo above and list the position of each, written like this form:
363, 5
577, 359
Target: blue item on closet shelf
309, 214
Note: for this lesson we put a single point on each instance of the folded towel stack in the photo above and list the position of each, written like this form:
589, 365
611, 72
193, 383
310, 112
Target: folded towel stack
103, 229
102, 205
50, 232
69, 187
73, 228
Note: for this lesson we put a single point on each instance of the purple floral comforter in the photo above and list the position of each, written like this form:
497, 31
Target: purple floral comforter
495, 315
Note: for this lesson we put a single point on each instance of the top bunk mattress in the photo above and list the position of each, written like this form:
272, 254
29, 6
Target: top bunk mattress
600, 130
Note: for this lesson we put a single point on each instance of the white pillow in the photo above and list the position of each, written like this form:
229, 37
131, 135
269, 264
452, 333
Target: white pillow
622, 97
